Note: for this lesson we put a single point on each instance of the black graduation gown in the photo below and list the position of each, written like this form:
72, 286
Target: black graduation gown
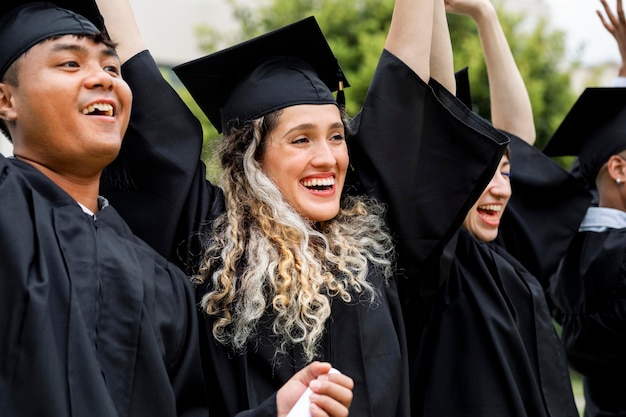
93, 321
161, 153
589, 294
481, 340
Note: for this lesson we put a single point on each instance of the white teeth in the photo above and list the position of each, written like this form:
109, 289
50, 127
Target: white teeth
319, 182
491, 207
104, 108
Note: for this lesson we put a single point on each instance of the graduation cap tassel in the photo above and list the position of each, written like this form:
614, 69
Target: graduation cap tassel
341, 96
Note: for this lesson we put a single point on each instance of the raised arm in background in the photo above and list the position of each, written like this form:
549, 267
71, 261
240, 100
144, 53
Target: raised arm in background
122, 27
615, 24
410, 34
511, 108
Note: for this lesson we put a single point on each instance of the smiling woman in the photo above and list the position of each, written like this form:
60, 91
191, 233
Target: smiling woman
483, 219
307, 158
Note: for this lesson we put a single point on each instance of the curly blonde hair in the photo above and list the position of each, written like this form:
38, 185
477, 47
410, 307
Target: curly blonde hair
262, 256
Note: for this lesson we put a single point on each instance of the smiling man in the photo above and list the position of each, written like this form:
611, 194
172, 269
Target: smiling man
92, 320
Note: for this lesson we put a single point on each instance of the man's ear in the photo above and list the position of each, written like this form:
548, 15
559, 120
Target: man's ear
617, 168
7, 110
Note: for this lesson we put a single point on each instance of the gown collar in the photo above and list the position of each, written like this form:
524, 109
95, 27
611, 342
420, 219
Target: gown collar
599, 219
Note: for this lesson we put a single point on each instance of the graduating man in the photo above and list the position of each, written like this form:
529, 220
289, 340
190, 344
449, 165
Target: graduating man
589, 289
92, 320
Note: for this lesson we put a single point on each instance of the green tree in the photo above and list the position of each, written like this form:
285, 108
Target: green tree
356, 31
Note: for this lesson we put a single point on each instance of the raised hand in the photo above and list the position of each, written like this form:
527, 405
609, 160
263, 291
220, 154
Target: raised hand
615, 24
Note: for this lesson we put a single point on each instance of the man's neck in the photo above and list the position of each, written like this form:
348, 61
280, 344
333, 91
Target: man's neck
83, 189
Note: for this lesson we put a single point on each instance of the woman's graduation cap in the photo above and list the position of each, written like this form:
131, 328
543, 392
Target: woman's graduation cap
594, 129
23, 24
463, 90
288, 66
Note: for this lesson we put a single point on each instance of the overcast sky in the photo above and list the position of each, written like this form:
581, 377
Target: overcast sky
578, 18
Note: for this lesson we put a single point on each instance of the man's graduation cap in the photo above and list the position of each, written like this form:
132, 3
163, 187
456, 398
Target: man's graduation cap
288, 66
594, 129
23, 24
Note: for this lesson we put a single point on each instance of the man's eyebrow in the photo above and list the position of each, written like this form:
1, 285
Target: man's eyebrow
59, 47
110, 52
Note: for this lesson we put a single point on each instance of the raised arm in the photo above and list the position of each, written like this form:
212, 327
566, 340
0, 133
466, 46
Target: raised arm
411, 134
157, 183
410, 34
122, 27
441, 60
615, 24
511, 108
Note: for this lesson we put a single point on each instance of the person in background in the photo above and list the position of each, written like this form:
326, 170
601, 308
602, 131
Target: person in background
589, 287
292, 261
511, 109
481, 342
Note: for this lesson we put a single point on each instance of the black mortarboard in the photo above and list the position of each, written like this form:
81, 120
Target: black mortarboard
23, 24
594, 129
463, 91
288, 66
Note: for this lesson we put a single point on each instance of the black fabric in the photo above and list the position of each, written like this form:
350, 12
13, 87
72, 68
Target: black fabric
363, 342
85, 8
437, 137
481, 339
26, 25
589, 294
93, 321
485, 344
463, 90
158, 177
594, 129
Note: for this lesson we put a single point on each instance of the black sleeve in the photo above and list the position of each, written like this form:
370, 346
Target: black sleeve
424, 154
158, 181
17, 240
185, 363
